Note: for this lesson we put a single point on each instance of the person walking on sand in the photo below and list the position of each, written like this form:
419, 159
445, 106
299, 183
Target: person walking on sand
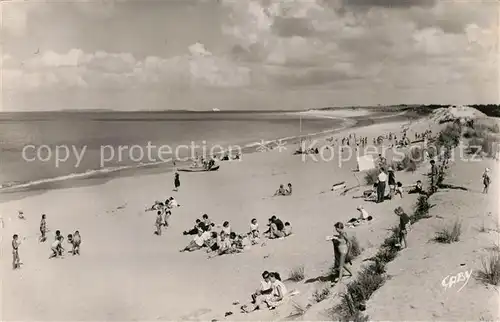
486, 180
404, 224
16, 262
341, 247
382, 179
177, 182
43, 229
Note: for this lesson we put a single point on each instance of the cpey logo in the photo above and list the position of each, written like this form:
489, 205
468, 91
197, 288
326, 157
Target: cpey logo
451, 280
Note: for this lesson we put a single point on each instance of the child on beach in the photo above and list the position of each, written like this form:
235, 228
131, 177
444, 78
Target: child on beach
486, 180
254, 232
404, 224
399, 189
43, 229
56, 247
281, 191
341, 246
77, 240
158, 223
15, 252
226, 228
207, 222
289, 190
168, 213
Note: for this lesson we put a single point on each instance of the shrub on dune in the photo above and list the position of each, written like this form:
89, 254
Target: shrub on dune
297, 274
490, 273
448, 235
321, 294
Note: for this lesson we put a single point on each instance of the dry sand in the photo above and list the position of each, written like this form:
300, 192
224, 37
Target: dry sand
127, 273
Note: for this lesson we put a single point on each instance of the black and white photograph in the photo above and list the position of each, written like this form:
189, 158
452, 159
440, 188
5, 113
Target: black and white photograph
249, 160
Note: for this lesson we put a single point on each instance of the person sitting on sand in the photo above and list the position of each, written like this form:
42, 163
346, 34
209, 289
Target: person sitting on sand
275, 228
206, 221
418, 188
486, 180
226, 228
194, 230
281, 191
288, 191
404, 226
20, 215
341, 246
265, 287
272, 300
287, 230
43, 229
254, 232
213, 242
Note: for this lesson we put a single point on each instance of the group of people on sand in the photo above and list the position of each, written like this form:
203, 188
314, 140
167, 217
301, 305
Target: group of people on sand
57, 248
163, 213
220, 239
284, 192
270, 294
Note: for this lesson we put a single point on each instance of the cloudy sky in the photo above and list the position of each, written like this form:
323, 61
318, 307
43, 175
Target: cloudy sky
247, 54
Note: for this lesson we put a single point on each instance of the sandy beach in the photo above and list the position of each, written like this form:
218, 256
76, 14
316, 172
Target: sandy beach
125, 272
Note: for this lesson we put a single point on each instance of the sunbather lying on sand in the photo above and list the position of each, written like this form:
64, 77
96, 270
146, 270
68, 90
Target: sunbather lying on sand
363, 217
272, 300
198, 241
418, 188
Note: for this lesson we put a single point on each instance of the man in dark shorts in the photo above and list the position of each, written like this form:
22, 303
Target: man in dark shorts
43, 229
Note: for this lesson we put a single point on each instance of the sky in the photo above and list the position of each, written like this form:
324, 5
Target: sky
247, 54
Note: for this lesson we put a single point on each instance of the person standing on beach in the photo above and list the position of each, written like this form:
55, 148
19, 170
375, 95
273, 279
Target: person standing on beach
486, 180
392, 182
404, 224
341, 246
16, 262
434, 176
77, 240
158, 223
177, 182
43, 229
382, 179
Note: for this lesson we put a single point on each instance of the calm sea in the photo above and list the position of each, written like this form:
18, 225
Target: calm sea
94, 140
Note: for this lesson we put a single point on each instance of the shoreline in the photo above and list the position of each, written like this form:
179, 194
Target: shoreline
100, 176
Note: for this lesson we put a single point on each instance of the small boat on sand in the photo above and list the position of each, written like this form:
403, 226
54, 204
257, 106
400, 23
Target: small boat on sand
199, 169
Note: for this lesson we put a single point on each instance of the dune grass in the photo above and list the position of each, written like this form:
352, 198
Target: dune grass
490, 273
321, 294
450, 234
297, 274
